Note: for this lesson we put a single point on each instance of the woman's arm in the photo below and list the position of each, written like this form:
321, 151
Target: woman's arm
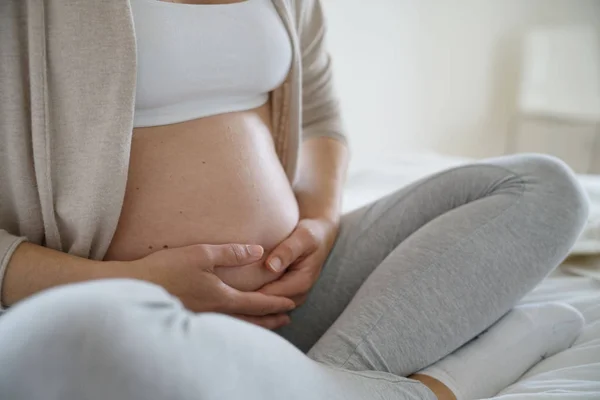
319, 192
34, 268
324, 153
322, 172
186, 272
321, 116
322, 166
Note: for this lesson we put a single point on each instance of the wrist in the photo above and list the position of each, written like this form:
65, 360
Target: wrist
33, 268
319, 207
330, 214
332, 218
114, 270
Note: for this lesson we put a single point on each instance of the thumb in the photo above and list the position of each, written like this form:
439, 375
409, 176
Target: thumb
298, 244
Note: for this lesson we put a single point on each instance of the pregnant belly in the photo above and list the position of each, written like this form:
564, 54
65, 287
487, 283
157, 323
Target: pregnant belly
213, 180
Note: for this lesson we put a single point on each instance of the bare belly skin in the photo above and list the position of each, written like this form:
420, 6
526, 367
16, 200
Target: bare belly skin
212, 180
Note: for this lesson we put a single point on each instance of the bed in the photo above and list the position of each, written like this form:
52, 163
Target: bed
571, 374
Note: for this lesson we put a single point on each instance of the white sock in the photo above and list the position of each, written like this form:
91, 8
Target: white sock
500, 355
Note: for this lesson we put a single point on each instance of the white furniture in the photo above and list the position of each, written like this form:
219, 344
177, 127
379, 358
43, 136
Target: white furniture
558, 107
575, 142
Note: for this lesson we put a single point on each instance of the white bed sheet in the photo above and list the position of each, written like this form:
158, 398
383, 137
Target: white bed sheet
572, 374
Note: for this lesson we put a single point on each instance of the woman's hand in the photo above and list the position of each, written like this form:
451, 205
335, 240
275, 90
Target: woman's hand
188, 273
302, 255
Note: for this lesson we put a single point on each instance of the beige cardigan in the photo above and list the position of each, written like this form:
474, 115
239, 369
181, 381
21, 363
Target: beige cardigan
67, 86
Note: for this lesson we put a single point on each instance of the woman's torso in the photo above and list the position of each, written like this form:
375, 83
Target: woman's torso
212, 179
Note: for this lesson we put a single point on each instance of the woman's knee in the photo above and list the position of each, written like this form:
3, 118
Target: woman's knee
69, 339
64, 318
555, 187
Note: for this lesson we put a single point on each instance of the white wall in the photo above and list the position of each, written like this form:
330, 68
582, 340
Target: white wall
435, 74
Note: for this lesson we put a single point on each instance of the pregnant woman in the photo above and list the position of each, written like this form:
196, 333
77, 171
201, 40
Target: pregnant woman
170, 183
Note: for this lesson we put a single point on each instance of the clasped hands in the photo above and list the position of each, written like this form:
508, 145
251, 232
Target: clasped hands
298, 259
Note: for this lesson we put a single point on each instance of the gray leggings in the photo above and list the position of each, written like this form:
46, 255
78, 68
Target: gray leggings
411, 278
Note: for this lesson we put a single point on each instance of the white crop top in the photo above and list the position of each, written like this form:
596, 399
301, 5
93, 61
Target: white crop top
200, 60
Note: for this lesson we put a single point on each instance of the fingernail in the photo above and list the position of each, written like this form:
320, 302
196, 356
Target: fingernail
275, 264
255, 250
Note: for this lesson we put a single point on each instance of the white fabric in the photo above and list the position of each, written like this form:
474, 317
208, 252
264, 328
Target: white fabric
196, 60
573, 374
498, 357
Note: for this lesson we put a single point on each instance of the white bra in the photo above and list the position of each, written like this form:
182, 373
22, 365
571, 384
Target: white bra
200, 60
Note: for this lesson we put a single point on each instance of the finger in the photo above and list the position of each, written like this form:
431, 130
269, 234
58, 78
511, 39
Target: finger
256, 304
271, 322
232, 255
299, 300
299, 243
290, 285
